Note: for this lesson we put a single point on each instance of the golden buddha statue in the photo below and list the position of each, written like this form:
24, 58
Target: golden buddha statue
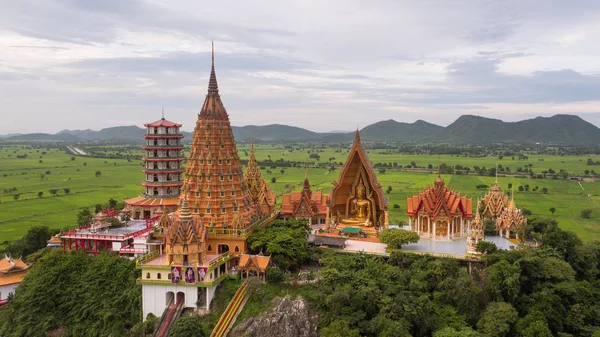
360, 209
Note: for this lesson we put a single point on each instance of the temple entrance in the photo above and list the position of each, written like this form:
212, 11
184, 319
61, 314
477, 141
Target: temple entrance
180, 298
137, 216
146, 215
222, 248
170, 297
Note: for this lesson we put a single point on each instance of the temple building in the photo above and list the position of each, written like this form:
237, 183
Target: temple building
162, 169
439, 212
475, 232
12, 272
494, 202
259, 189
205, 237
356, 202
305, 204
510, 220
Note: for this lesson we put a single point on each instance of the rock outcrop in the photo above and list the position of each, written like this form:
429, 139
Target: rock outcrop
288, 318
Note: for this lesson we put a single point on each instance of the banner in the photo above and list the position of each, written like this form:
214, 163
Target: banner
201, 273
190, 277
175, 274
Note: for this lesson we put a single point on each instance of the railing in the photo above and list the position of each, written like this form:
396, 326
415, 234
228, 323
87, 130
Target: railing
148, 257
231, 311
206, 284
130, 250
220, 259
172, 315
238, 232
437, 254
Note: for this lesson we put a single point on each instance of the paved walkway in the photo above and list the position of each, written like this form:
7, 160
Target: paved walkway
370, 247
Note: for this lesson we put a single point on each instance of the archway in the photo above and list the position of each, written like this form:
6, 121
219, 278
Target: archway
222, 248
180, 298
169, 297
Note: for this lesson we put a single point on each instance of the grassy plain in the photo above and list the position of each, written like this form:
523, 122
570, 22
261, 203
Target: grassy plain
121, 179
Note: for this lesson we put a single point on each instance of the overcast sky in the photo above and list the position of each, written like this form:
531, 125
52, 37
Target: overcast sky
321, 65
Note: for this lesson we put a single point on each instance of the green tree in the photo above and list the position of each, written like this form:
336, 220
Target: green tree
486, 247
16, 196
67, 190
273, 180
395, 238
274, 275
285, 241
40, 194
339, 328
98, 173
497, 319
389, 190
552, 210
112, 203
53, 191
544, 190
537, 329
84, 216
187, 326
451, 332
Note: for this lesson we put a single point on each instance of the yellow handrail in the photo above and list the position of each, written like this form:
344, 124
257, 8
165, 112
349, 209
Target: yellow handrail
230, 311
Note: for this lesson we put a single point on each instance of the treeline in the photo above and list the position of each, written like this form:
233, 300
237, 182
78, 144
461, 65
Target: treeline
73, 294
549, 291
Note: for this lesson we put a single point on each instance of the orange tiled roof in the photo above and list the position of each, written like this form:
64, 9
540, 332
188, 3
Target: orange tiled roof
12, 271
317, 201
439, 199
152, 202
6, 279
260, 262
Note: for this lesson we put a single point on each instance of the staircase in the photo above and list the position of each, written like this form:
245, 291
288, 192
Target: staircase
233, 309
171, 314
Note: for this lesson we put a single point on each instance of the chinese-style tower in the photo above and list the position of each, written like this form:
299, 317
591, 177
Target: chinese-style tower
214, 183
162, 167
258, 188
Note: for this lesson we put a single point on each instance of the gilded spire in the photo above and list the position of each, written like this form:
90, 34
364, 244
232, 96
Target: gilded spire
357, 136
184, 211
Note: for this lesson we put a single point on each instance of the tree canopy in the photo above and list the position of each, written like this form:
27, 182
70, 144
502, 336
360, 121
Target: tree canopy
285, 241
396, 238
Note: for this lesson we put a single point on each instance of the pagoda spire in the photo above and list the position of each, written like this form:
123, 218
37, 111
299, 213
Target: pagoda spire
496, 173
357, 136
213, 87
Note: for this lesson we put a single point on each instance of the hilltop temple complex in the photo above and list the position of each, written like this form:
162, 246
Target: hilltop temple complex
439, 212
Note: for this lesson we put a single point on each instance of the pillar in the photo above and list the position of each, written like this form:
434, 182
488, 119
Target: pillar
434, 229
410, 224
449, 230
462, 227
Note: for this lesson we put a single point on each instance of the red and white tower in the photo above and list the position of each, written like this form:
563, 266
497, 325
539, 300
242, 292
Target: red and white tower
163, 168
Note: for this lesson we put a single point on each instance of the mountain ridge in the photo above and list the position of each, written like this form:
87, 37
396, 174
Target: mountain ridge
466, 129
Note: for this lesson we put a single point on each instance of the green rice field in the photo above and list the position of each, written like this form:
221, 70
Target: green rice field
120, 179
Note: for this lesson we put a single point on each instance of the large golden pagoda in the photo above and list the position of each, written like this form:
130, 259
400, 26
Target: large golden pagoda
214, 182
258, 188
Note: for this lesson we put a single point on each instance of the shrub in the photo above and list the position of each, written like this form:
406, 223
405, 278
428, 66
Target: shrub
586, 213
274, 275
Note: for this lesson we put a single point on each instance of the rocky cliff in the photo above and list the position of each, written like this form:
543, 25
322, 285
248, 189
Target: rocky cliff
287, 318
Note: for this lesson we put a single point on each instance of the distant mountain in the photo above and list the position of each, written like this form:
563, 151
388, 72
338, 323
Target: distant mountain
467, 129
274, 132
565, 129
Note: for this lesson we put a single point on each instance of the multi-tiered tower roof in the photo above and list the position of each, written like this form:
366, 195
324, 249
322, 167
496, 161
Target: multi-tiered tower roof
163, 167
214, 183
258, 188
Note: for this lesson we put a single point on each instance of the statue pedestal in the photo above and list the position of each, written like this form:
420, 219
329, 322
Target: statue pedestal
356, 226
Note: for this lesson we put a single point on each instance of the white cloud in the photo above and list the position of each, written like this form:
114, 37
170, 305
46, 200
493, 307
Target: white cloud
320, 65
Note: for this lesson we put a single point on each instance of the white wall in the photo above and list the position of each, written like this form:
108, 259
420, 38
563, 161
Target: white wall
154, 297
10, 288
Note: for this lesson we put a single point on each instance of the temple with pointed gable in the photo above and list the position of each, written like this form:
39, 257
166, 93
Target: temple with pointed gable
305, 204
204, 238
257, 186
356, 202
439, 212
510, 220
494, 202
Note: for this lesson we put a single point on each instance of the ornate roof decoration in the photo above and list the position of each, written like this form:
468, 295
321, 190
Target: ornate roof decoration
258, 188
304, 204
511, 219
477, 226
494, 202
439, 200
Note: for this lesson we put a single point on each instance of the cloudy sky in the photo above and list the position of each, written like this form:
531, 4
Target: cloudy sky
322, 65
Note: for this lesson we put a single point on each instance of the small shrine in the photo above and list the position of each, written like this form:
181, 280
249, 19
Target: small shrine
257, 186
357, 200
439, 212
475, 232
254, 265
305, 204
185, 239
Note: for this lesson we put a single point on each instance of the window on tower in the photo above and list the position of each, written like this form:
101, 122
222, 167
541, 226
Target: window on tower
222, 193
220, 162
222, 209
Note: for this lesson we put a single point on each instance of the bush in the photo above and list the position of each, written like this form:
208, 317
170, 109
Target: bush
274, 275
396, 238
486, 247
586, 213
